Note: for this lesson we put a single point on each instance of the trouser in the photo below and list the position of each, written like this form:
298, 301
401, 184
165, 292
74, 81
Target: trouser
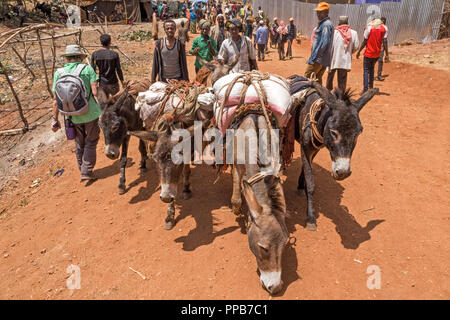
369, 72
289, 48
110, 89
281, 50
86, 139
317, 69
380, 63
342, 79
261, 49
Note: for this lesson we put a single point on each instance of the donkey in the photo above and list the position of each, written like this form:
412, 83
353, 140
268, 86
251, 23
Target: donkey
220, 70
169, 171
267, 232
335, 126
119, 116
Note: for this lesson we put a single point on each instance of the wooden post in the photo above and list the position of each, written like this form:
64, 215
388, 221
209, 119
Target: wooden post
43, 64
19, 106
126, 12
24, 61
53, 52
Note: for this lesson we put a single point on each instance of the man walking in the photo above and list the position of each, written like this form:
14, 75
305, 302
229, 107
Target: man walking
273, 33
345, 42
282, 38
321, 49
292, 34
87, 131
169, 57
261, 39
375, 35
21, 13
238, 45
380, 59
248, 28
108, 63
203, 46
218, 32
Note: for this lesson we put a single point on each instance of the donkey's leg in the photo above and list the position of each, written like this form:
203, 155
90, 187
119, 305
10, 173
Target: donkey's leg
144, 157
309, 182
123, 164
170, 219
236, 198
187, 193
301, 182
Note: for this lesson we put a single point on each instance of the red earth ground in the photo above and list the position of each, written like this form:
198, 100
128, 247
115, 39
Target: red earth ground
392, 212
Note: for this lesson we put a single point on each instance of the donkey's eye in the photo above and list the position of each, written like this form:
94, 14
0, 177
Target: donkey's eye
334, 134
115, 127
264, 249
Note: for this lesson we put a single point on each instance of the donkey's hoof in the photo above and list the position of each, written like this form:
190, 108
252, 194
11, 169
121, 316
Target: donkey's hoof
169, 225
237, 210
187, 195
311, 226
122, 190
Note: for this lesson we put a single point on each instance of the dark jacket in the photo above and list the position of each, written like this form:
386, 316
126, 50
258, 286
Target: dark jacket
323, 39
157, 60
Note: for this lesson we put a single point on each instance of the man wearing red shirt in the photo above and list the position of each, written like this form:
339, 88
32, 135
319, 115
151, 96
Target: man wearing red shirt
375, 36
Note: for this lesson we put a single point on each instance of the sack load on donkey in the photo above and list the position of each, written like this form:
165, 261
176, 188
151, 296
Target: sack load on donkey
239, 94
178, 98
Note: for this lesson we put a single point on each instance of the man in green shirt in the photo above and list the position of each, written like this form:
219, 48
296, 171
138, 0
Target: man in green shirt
204, 46
86, 125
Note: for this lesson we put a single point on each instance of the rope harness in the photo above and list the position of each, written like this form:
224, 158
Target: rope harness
316, 108
180, 88
248, 79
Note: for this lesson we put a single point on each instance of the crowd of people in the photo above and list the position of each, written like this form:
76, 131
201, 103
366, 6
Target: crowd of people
228, 35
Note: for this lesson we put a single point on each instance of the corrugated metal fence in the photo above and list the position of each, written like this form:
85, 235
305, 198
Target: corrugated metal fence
408, 19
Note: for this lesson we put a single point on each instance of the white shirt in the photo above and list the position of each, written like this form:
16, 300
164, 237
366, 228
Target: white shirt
340, 58
228, 51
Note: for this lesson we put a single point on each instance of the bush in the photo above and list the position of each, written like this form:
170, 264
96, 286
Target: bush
136, 35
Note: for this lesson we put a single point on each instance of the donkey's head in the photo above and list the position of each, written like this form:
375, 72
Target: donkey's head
169, 169
342, 127
219, 70
267, 234
112, 123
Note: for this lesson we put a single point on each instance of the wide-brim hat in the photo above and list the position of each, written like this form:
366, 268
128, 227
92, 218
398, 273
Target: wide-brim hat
74, 50
322, 6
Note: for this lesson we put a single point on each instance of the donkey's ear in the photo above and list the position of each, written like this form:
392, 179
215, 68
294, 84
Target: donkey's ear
366, 97
119, 100
210, 66
253, 205
145, 135
103, 98
325, 94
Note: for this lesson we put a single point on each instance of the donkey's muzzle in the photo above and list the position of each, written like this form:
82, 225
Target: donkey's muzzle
341, 168
112, 152
166, 199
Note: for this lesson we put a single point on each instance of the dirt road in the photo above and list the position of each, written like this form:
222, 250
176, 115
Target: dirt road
392, 212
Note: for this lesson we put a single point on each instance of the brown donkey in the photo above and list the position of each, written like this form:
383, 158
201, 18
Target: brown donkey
267, 232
